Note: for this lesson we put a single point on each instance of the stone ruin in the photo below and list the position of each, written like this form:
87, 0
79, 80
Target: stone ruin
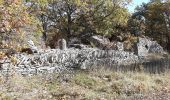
56, 60
145, 46
63, 59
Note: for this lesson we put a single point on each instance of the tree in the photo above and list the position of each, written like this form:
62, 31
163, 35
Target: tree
104, 16
78, 17
136, 23
156, 15
15, 19
38, 8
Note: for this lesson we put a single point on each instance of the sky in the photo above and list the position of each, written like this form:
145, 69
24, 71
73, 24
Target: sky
135, 3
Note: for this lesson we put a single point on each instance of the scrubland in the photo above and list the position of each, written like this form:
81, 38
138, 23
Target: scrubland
100, 84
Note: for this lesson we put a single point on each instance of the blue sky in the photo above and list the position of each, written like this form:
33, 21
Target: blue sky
132, 6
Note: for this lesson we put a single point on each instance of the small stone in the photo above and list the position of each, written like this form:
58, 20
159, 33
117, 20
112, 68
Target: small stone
120, 46
32, 46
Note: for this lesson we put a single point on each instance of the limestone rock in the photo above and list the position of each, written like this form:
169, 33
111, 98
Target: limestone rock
120, 46
155, 48
62, 44
32, 46
145, 46
101, 42
142, 47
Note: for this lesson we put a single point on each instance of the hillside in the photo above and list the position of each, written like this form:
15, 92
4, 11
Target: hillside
97, 84
84, 50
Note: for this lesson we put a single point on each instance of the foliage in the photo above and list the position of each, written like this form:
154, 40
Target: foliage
16, 21
21, 19
153, 20
79, 17
136, 25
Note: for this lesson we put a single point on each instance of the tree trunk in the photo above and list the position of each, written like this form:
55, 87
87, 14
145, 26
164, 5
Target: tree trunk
44, 26
69, 23
167, 25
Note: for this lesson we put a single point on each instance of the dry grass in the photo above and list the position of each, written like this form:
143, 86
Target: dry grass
93, 85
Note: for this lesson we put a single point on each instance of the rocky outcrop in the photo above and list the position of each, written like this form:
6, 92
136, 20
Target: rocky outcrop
145, 46
55, 60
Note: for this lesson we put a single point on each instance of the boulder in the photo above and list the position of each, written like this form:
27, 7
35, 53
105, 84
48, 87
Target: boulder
101, 42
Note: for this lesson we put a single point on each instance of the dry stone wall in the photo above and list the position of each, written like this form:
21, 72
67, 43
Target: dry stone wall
56, 60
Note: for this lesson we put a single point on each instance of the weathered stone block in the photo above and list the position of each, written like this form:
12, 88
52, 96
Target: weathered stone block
62, 44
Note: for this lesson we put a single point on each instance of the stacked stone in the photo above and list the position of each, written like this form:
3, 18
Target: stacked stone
56, 60
67, 59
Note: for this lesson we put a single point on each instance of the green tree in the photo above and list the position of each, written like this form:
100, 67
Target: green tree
78, 17
104, 16
156, 19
